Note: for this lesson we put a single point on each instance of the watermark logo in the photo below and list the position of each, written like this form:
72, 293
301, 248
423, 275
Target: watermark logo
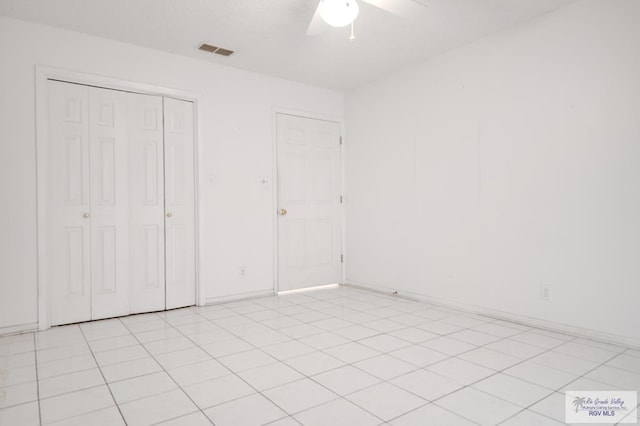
579, 402
601, 406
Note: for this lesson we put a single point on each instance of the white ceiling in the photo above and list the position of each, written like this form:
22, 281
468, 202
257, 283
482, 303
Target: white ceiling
268, 36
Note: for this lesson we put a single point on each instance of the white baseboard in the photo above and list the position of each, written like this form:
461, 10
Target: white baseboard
557, 327
18, 329
241, 296
309, 289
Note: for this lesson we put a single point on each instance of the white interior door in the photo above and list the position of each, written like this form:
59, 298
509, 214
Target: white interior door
68, 204
179, 203
146, 199
308, 202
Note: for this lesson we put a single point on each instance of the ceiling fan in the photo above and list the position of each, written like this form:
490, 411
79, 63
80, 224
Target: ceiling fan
340, 13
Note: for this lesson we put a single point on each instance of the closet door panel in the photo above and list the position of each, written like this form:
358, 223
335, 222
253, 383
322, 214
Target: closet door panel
67, 241
109, 203
146, 185
179, 203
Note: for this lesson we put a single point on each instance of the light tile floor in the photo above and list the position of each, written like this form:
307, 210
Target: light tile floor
333, 357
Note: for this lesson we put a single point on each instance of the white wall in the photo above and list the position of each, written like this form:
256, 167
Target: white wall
235, 143
511, 163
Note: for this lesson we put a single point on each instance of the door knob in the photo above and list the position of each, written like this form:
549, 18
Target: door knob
169, 214
283, 212
85, 215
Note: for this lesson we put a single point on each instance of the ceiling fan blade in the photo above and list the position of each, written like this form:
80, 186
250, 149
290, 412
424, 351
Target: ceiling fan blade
317, 25
402, 8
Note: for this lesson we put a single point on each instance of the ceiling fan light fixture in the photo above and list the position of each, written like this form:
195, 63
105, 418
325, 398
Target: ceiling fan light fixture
338, 13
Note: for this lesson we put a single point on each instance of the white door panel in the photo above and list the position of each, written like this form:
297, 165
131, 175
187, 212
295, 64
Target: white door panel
179, 203
109, 216
309, 192
146, 203
68, 201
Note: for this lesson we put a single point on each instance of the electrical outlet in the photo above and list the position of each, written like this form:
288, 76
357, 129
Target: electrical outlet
545, 293
242, 271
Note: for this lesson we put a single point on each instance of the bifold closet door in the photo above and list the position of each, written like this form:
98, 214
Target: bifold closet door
87, 230
146, 185
179, 203
120, 227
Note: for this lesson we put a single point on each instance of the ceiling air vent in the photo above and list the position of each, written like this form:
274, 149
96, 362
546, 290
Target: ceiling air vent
215, 49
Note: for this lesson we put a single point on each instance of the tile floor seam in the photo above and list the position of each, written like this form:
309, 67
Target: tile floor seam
330, 390
179, 417
280, 419
292, 414
544, 414
350, 393
515, 415
617, 368
528, 408
427, 402
236, 375
81, 415
551, 392
72, 372
169, 375
339, 398
494, 396
583, 376
103, 378
498, 371
469, 385
457, 414
35, 354
511, 366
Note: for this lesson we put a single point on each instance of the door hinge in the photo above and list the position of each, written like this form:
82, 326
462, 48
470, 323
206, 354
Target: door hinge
342, 258
341, 199
340, 140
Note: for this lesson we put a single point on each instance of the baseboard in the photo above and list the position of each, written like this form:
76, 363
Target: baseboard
506, 316
18, 329
309, 289
241, 296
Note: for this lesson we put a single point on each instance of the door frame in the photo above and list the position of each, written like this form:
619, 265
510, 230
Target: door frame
314, 116
43, 74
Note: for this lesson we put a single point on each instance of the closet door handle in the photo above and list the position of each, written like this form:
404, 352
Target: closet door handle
169, 214
85, 215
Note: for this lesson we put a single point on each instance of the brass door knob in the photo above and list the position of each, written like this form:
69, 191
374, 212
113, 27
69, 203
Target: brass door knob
85, 215
283, 212
169, 214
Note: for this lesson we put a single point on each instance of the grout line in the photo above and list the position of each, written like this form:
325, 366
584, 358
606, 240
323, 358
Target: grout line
177, 417
558, 390
103, 378
304, 376
35, 355
168, 375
